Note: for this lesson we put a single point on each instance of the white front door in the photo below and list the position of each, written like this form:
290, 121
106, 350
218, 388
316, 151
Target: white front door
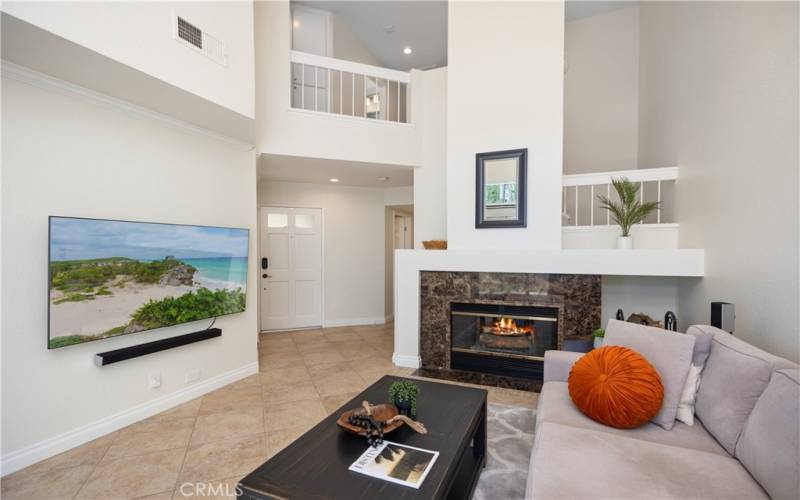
290, 267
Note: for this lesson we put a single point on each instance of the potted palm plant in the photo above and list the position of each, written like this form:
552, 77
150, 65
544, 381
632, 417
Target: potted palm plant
629, 210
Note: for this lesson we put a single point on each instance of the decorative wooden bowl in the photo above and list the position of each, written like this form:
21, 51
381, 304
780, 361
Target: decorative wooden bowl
435, 244
380, 413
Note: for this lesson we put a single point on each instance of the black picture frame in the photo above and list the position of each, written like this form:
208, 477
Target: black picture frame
522, 163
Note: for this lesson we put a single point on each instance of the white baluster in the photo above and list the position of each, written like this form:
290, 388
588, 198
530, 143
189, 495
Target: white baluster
591, 207
316, 88
302, 86
641, 195
608, 213
576, 205
658, 211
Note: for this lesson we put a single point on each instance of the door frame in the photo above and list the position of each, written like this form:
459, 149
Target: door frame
328, 35
322, 259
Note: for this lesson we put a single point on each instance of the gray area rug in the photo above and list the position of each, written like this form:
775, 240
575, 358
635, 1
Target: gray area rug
510, 443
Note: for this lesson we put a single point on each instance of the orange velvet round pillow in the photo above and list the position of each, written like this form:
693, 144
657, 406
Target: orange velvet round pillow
616, 386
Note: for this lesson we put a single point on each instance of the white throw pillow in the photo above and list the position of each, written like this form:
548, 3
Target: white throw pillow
686, 404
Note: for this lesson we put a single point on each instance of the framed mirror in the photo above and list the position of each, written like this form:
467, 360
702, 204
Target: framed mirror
500, 188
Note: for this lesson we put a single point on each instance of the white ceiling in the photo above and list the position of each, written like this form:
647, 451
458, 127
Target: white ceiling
419, 25
318, 171
580, 9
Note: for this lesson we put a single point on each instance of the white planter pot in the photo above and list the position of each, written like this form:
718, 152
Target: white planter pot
624, 242
598, 342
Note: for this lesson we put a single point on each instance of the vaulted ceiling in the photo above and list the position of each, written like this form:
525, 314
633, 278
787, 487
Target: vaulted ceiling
387, 27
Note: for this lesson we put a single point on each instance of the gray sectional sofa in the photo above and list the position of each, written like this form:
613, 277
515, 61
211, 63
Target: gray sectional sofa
744, 443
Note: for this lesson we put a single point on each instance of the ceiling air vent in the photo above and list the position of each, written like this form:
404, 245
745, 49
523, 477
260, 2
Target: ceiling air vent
195, 38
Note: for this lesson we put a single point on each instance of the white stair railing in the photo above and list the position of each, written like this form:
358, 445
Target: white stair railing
328, 85
581, 208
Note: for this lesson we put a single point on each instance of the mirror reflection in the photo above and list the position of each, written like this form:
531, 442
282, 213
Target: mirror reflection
500, 190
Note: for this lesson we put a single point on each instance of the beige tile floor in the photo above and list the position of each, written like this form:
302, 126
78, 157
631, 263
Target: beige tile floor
212, 441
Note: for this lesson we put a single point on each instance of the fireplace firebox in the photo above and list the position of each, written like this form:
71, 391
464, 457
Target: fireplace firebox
502, 339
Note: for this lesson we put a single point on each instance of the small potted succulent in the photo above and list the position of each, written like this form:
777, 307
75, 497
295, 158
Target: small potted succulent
599, 335
403, 394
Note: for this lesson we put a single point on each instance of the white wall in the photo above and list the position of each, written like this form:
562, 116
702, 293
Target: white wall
505, 89
645, 236
653, 296
69, 155
346, 46
430, 180
139, 34
719, 87
280, 130
601, 92
400, 195
353, 245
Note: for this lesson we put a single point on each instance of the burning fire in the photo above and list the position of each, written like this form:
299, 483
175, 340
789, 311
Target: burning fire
507, 326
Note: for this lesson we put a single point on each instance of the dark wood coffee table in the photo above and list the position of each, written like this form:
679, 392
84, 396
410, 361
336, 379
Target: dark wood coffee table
316, 465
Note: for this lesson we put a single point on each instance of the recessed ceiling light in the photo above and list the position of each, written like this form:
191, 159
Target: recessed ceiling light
333, 179
383, 178
407, 50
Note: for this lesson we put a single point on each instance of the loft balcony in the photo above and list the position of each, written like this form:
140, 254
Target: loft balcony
585, 225
348, 89
322, 107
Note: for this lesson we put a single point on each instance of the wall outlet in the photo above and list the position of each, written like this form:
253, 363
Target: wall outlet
154, 380
192, 376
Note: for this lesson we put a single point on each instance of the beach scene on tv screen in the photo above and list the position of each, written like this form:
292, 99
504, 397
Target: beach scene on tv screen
111, 278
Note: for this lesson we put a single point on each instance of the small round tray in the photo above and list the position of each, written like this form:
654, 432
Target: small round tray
380, 413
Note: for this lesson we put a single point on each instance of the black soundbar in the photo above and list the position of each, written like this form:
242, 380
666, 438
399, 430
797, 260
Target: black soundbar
134, 351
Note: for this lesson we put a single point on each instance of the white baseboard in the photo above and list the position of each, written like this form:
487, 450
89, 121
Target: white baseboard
50, 447
406, 361
378, 320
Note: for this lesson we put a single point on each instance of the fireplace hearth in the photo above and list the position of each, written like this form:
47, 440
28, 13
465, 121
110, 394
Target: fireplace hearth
502, 339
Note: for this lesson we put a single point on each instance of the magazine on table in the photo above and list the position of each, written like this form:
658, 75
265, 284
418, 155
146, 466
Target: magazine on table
397, 463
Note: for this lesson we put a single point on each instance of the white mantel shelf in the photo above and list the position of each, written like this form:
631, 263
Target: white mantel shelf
683, 262
687, 263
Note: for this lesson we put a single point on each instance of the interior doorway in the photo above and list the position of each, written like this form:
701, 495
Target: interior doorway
290, 268
403, 231
399, 236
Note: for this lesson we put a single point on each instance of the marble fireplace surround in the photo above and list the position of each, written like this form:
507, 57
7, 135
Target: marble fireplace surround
410, 264
576, 296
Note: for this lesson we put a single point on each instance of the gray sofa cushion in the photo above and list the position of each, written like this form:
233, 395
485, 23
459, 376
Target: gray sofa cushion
555, 405
570, 462
734, 377
669, 352
558, 365
770, 443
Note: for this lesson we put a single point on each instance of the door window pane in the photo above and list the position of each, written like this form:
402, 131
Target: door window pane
277, 220
304, 221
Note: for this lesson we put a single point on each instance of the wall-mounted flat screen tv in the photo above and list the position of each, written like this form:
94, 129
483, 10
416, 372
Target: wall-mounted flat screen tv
110, 277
